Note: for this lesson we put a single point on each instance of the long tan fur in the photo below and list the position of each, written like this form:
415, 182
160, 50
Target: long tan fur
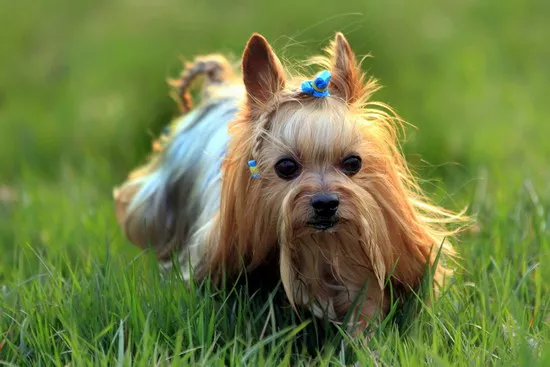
388, 227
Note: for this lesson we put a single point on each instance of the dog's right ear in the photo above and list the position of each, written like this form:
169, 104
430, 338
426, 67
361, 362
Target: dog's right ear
263, 74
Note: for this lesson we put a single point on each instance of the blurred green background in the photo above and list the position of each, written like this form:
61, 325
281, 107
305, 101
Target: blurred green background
83, 89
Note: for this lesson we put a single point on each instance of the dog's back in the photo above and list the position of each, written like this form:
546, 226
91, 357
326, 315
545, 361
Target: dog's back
168, 203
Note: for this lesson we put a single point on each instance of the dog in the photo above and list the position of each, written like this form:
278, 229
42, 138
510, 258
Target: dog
303, 173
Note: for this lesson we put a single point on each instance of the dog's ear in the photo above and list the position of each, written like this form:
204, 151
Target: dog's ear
263, 73
347, 80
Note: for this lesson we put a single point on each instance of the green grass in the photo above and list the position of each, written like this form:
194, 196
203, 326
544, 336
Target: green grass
82, 88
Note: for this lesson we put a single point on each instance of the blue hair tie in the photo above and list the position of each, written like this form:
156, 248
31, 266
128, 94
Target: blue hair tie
317, 87
254, 171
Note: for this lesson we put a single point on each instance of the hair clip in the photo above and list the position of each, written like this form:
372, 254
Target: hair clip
254, 170
317, 87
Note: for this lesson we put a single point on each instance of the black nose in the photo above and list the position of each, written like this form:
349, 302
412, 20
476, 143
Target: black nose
325, 204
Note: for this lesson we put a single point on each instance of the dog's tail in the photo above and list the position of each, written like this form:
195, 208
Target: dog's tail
214, 67
216, 70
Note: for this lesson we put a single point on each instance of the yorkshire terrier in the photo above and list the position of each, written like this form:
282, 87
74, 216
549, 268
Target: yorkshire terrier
308, 169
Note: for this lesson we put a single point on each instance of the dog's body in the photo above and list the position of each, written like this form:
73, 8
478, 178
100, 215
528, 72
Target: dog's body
334, 199
186, 181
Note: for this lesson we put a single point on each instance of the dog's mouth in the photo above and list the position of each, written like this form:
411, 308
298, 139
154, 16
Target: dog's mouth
323, 224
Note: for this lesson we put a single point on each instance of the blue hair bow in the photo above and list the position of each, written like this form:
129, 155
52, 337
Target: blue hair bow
317, 87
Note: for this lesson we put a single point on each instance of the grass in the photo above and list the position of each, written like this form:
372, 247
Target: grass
82, 88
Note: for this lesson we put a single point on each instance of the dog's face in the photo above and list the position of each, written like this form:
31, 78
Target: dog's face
325, 179
335, 198
315, 163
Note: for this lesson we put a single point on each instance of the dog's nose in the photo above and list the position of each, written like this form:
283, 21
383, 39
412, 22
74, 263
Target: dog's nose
325, 204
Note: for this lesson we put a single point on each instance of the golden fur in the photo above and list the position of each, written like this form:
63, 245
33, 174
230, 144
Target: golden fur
388, 228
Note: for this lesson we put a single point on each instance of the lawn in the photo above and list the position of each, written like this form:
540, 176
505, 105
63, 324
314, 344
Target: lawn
83, 90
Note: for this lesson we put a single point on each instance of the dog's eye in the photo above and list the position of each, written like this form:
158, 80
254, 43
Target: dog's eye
287, 169
351, 165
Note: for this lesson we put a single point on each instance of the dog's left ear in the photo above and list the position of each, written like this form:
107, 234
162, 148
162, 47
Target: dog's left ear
347, 80
263, 73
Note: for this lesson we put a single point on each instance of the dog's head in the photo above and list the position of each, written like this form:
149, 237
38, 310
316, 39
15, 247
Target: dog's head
334, 195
